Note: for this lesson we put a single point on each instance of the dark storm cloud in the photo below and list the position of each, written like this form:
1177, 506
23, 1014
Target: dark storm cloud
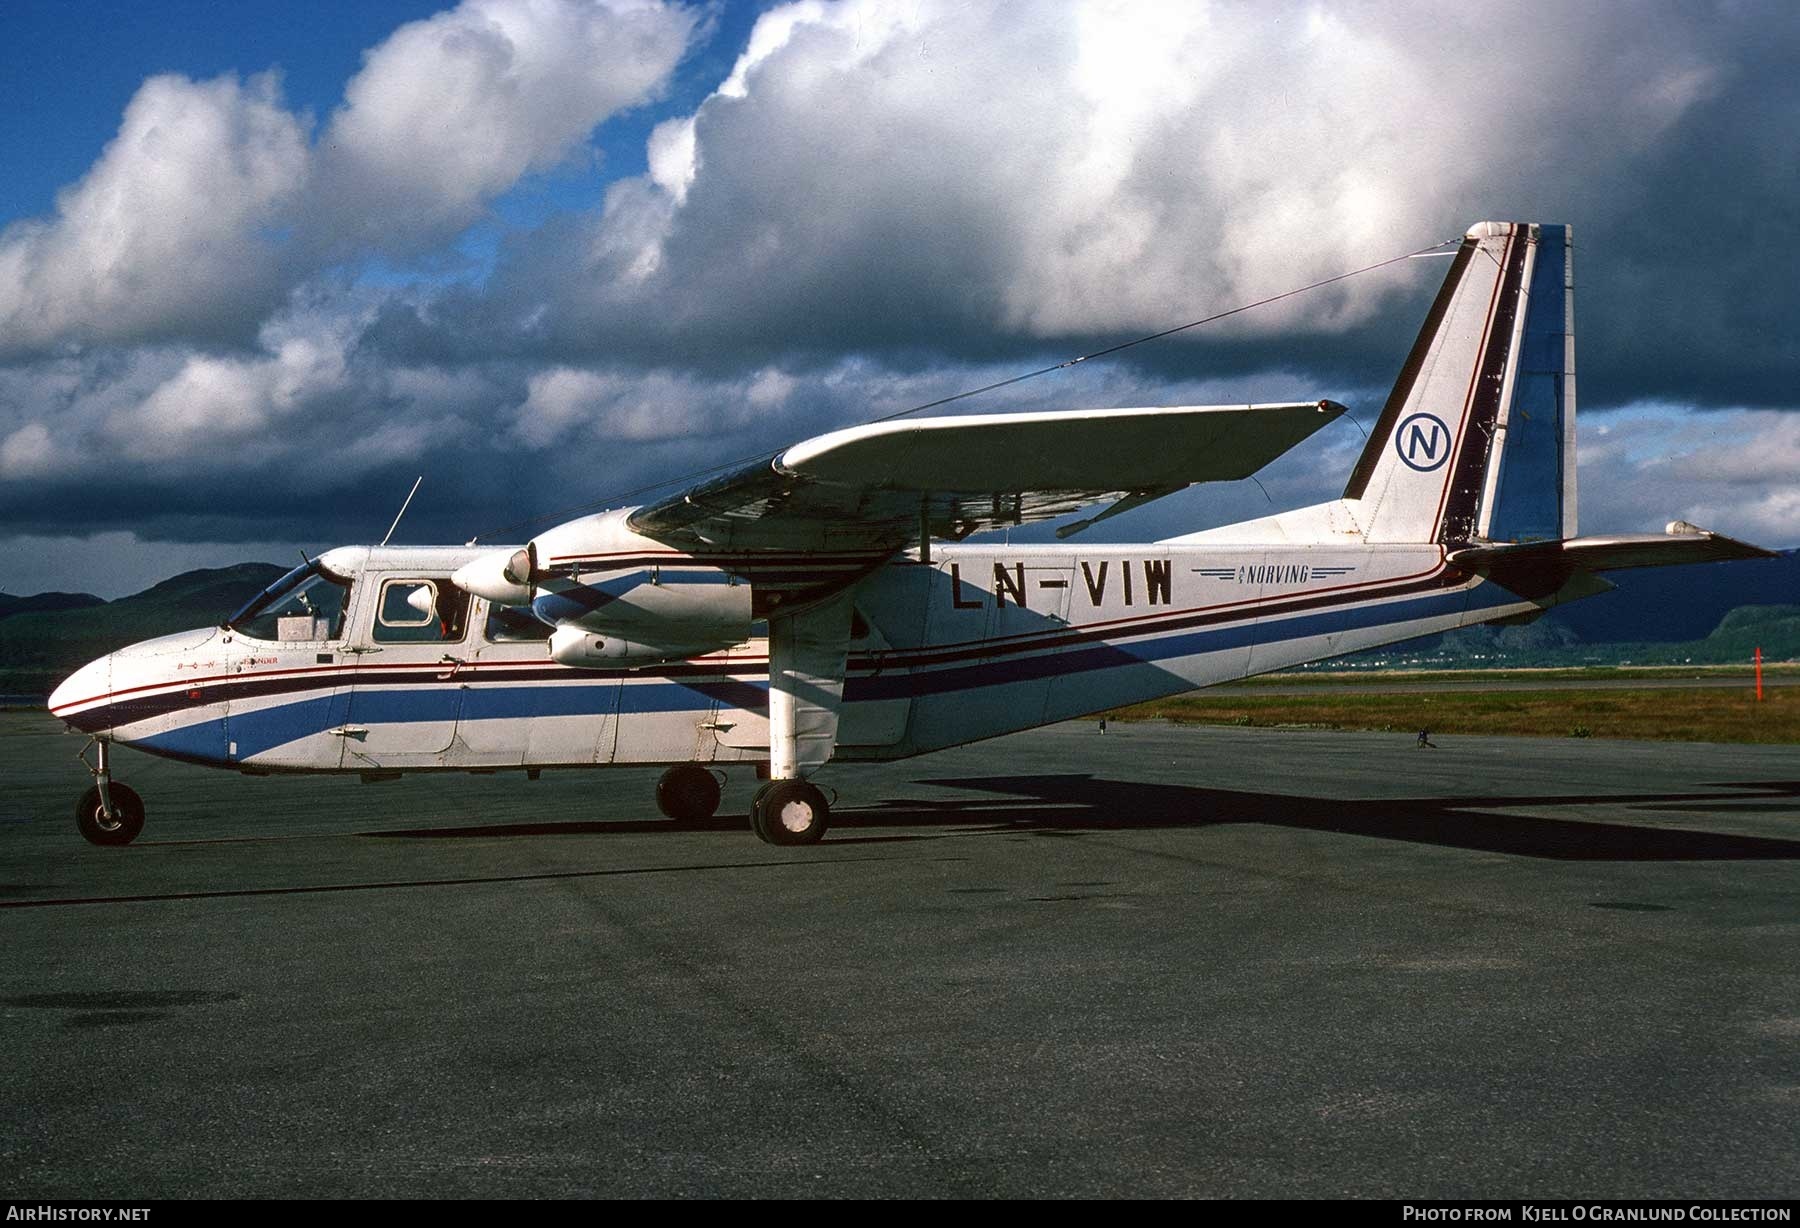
1687, 294
873, 187
881, 205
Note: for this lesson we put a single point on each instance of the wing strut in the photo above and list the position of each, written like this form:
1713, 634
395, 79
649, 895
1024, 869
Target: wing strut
1136, 498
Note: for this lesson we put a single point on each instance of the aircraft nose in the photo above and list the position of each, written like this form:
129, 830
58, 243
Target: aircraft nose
85, 690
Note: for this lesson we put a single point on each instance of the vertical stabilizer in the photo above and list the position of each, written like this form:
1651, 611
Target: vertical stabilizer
1530, 491
1476, 441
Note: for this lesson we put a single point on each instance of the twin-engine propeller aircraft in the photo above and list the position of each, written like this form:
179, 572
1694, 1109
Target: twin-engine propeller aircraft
816, 607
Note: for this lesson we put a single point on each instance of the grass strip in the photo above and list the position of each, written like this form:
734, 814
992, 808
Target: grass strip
1689, 715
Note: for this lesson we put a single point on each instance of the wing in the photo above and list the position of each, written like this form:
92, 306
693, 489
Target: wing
881, 485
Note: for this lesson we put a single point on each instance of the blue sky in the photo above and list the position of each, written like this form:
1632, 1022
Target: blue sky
261, 264
71, 68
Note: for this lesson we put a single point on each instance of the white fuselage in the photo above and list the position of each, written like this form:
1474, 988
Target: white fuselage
982, 641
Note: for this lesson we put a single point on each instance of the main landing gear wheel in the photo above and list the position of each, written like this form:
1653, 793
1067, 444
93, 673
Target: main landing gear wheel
789, 812
126, 821
688, 793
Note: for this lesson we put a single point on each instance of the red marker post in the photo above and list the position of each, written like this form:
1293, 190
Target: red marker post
1759, 673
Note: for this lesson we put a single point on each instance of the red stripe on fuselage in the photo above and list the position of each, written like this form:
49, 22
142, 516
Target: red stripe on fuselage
898, 658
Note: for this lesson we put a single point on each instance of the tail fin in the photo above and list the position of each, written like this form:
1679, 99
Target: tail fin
1477, 440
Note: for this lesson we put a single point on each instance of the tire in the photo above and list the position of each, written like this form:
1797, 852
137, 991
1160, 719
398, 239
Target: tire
687, 793
756, 821
96, 828
790, 812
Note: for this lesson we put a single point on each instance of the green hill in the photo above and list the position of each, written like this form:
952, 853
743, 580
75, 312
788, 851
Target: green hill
39, 648
1773, 628
45, 602
1547, 643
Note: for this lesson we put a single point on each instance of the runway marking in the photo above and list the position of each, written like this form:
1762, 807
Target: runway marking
430, 882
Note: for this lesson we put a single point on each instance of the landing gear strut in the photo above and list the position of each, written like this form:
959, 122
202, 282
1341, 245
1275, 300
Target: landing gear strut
688, 792
807, 651
109, 812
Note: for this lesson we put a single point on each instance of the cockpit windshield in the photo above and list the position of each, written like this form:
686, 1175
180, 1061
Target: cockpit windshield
306, 604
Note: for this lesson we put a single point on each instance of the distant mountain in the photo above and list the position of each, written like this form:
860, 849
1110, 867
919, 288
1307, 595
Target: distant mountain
1712, 613
40, 647
1773, 628
1672, 604
46, 602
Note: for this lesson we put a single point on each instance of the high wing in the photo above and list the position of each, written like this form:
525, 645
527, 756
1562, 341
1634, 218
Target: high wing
885, 484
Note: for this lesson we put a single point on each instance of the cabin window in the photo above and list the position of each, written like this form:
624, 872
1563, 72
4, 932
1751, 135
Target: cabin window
511, 625
307, 605
420, 612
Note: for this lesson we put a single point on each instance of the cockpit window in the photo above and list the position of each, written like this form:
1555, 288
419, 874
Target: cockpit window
421, 612
306, 604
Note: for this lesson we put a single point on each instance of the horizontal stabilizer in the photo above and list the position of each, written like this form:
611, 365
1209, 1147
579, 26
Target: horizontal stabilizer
1682, 543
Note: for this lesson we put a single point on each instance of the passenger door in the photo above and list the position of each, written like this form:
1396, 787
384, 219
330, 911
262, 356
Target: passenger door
407, 689
519, 708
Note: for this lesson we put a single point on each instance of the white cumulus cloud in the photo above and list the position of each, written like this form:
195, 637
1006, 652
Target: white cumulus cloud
212, 202
449, 112
953, 171
165, 235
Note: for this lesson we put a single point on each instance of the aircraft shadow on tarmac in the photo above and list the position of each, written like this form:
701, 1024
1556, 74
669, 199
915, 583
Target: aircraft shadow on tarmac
1070, 804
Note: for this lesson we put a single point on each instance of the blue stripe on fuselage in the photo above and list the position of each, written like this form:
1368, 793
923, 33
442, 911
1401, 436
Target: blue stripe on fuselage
254, 731
264, 729
1167, 647
259, 730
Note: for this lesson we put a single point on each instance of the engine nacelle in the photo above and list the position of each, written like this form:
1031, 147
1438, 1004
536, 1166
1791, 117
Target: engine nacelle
576, 647
502, 576
616, 597
683, 603
596, 574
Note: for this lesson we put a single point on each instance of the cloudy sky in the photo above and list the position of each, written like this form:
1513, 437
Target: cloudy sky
261, 264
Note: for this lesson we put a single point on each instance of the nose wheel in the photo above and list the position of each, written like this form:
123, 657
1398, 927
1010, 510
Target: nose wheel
109, 813
121, 826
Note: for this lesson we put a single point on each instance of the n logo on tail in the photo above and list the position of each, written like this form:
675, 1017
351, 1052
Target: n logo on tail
1423, 442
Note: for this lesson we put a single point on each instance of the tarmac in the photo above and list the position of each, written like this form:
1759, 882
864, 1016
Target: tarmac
1165, 961
1464, 684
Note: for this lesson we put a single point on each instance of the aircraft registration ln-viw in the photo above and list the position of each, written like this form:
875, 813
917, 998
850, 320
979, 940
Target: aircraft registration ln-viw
816, 606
